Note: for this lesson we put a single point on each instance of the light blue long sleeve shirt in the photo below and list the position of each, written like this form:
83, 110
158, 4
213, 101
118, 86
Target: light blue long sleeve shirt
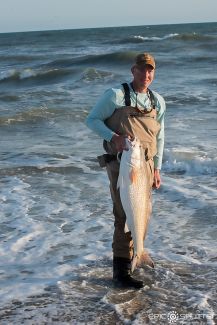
112, 99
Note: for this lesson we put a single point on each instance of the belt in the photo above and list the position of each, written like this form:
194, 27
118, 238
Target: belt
107, 158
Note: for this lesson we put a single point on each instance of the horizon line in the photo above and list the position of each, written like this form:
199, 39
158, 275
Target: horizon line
102, 27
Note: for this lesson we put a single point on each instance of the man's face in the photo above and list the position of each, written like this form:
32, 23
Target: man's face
143, 76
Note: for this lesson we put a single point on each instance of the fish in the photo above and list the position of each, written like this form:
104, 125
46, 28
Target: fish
134, 187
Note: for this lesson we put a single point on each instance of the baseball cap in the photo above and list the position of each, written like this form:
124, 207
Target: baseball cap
145, 58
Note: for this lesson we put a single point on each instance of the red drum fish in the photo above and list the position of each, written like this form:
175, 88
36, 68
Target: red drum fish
134, 186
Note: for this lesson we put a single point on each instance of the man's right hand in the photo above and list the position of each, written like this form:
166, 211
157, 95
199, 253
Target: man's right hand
120, 142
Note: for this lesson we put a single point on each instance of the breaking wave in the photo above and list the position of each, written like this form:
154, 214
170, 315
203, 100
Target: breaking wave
92, 74
63, 68
141, 39
14, 75
175, 36
189, 162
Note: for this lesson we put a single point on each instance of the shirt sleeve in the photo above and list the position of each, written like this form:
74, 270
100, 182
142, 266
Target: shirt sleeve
103, 109
160, 137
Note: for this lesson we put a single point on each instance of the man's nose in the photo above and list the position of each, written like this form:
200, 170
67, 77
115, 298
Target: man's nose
146, 73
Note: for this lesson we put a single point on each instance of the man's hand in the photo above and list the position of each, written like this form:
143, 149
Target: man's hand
157, 179
120, 142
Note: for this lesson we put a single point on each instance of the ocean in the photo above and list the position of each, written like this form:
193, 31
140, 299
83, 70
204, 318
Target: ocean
56, 222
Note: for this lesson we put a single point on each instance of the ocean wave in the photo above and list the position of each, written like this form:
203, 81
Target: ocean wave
194, 37
9, 98
31, 170
24, 74
92, 74
211, 59
44, 114
141, 39
191, 162
30, 116
20, 58
211, 81
118, 58
63, 68
187, 99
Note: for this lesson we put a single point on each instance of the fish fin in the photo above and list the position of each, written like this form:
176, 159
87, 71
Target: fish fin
134, 263
118, 183
126, 229
133, 175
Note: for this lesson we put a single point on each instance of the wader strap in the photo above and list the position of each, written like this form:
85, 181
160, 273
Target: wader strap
126, 94
151, 98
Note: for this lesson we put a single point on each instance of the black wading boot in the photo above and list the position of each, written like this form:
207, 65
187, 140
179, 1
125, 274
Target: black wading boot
122, 274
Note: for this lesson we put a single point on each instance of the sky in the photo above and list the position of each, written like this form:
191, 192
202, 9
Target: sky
28, 15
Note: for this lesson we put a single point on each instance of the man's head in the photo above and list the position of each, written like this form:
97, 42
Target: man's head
143, 71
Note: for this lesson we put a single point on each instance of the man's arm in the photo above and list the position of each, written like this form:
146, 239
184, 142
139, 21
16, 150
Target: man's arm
160, 143
103, 109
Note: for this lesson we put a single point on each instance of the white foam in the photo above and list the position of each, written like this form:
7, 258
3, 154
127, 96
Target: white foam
119, 307
8, 74
203, 308
191, 161
62, 270
20, 291
23, 241
155, 38
27, 73
91, 257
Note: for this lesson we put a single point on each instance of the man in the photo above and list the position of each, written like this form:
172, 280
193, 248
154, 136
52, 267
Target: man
129, 110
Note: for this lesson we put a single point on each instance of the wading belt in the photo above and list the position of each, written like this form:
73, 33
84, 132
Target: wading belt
107, 158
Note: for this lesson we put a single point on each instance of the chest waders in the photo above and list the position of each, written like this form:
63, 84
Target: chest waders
142, 124
134, 122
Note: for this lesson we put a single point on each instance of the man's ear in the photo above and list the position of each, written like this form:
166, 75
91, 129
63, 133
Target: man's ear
132, 69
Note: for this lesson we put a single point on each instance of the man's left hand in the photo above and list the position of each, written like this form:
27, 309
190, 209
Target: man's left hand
157, 179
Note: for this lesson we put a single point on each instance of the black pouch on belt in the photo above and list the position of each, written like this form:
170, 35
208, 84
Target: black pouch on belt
105, 159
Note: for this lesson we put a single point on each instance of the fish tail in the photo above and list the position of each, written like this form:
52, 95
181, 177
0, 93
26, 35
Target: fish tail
144, 259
